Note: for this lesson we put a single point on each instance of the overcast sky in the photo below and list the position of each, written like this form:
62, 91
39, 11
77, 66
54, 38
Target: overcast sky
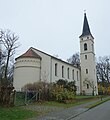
54, 26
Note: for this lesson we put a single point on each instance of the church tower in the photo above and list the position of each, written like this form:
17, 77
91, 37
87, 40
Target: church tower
87, 60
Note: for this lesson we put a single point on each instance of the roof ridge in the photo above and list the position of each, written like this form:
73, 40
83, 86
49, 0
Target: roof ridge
29, 53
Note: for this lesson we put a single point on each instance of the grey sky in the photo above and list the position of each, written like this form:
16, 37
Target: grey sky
54, 26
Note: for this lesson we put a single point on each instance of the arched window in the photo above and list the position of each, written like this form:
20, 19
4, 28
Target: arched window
63, 71
55, 69
73, 74
85, 46
86, 71
85, 57
68, 72
87, 86
77, 76
92, 47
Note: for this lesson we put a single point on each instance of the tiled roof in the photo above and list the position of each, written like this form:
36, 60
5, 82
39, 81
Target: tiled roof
54, 57
29, 53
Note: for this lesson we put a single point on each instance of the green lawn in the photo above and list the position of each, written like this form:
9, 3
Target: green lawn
81, 100
16, 113
84, 96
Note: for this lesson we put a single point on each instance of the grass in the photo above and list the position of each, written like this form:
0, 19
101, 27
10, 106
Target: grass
79, 100
71, 104
16, 113
84, 96
20, 98
97, 103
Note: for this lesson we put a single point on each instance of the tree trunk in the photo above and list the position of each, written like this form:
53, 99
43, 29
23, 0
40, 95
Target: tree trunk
5, 96
6, 69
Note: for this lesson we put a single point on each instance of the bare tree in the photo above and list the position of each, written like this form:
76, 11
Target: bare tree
103, 70
74, 59
2, 66
9, 42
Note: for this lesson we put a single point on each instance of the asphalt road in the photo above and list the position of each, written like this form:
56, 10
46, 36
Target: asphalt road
101, 112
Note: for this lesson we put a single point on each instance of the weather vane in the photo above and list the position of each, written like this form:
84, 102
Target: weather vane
84, 11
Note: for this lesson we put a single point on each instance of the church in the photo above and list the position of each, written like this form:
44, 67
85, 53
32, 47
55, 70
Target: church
36, 65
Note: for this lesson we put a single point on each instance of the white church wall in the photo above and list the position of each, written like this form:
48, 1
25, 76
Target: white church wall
48, 69
27, 70
65, 76
45, 66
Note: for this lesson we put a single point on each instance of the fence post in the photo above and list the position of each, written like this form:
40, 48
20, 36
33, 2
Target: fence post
14, 97
36, 96
25, 97
39, 94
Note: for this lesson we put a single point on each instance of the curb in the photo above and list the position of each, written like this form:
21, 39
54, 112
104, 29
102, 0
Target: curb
87, 109
98, 103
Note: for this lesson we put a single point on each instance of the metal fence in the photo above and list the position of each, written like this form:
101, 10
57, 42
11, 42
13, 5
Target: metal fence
27, 97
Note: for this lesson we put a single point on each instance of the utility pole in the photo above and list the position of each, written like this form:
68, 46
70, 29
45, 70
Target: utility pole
107, 71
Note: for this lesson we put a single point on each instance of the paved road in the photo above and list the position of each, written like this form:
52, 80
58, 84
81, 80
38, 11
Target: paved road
101, 112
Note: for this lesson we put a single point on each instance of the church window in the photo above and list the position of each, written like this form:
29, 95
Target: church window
85, 46
63, 71
77, 76
86, 71
92, 47
73, 74
85, 57
68, 70
56, 67
87, 37
87, 86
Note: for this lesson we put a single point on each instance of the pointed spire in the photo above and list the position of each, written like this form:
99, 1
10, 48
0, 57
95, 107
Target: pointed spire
86, 29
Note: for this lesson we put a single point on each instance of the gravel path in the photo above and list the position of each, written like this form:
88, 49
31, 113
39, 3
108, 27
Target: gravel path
41, 108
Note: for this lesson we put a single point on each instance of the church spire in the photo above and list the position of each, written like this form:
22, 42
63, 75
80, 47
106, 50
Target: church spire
86, 29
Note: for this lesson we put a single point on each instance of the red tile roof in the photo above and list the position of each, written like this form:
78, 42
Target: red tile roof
29, 54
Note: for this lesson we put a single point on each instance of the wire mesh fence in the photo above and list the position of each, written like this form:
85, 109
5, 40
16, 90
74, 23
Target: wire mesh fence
27, 97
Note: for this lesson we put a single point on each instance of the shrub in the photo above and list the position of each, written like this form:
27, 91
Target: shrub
60, 93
